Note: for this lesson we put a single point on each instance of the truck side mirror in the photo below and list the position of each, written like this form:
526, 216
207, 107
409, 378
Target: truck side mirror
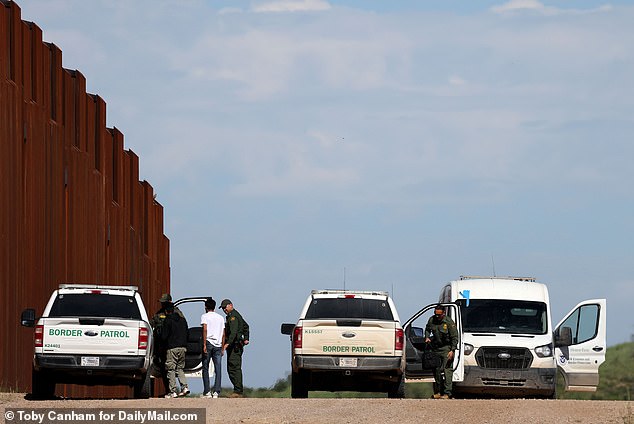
563, 337
27, 319
287, 329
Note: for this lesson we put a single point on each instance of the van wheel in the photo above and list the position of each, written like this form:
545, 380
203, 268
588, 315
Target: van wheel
42, 387
552, 395
143, 387
397, 391
299, 388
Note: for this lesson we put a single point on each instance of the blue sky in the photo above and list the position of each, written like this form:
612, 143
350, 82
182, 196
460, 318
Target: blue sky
405, 142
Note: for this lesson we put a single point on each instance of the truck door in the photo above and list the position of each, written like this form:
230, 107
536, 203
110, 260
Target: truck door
414, 329
193, 308
580, 345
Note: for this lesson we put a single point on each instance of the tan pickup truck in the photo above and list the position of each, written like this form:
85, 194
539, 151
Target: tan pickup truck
347, 340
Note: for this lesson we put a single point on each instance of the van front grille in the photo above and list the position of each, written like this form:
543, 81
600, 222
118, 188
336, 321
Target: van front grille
515, 358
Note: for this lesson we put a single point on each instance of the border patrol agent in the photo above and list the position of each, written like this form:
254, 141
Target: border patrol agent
156, 322
442, 333
236, 337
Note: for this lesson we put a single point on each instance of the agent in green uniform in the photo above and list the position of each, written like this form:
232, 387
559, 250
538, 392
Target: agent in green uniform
236, 337
442, 334
160, 351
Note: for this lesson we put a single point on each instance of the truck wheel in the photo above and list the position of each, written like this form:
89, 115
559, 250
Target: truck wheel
143, 387
299, 389
397, 391
42, 387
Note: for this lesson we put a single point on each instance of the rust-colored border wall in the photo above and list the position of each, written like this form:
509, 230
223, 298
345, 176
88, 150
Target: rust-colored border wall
72, 207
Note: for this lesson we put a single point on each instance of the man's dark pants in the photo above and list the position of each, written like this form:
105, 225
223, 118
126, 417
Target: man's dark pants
444, 385
234, 366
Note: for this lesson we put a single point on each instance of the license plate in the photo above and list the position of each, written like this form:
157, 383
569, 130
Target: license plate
348, 362
89, 361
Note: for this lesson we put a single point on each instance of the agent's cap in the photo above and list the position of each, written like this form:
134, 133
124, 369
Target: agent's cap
166, 297
224, 303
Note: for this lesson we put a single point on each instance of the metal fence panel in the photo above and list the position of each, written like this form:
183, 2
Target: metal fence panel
72, 207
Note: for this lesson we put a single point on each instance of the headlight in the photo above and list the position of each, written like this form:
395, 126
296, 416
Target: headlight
468, 349
544, 351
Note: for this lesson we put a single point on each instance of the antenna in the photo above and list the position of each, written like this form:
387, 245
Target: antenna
493, 262
344, 278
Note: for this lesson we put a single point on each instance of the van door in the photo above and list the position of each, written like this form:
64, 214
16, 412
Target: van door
580, 345
414, 329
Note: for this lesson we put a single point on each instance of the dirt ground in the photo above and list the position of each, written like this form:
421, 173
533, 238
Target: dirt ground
359, 410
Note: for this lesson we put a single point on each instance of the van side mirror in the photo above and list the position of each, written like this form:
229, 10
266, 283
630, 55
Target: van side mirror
287, 329
27, 319
563, 337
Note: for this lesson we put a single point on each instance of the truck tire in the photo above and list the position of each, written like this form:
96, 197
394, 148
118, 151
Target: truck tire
299, 388
42, 386
143, 387
397, 391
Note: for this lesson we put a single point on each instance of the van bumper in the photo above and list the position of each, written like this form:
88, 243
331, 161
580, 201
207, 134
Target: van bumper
508, 382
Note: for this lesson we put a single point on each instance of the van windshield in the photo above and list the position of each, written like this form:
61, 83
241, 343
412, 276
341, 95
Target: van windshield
329, 308
503, 316
95, 305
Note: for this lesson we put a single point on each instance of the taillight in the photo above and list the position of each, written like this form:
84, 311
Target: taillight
297, 338
143, 338
398, 339
38, 337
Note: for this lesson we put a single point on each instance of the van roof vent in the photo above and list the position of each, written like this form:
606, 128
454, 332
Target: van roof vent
479, 277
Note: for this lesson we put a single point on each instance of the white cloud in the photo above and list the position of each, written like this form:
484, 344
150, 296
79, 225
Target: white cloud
292, 6
518, 6
266, 63
524, 5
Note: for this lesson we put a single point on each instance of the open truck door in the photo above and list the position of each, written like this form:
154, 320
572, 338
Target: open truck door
580, 345
194, 355
414, 329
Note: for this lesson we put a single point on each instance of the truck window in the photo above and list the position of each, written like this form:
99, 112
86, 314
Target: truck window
349, 308
504, 316
95, 305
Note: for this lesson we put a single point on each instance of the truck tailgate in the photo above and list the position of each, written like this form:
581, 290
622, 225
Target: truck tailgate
68, 336
370, 339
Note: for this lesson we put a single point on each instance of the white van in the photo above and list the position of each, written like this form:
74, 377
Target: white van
508, 346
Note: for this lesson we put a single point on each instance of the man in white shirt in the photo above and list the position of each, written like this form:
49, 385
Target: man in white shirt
213, 346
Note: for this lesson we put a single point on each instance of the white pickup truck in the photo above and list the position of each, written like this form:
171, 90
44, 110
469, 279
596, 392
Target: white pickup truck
93, 335
347, 340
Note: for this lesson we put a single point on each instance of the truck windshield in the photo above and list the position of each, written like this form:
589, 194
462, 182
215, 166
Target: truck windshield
331, 308
95, 305
503, 316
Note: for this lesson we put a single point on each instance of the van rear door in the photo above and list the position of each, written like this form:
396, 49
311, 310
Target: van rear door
414, 329
580, 345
